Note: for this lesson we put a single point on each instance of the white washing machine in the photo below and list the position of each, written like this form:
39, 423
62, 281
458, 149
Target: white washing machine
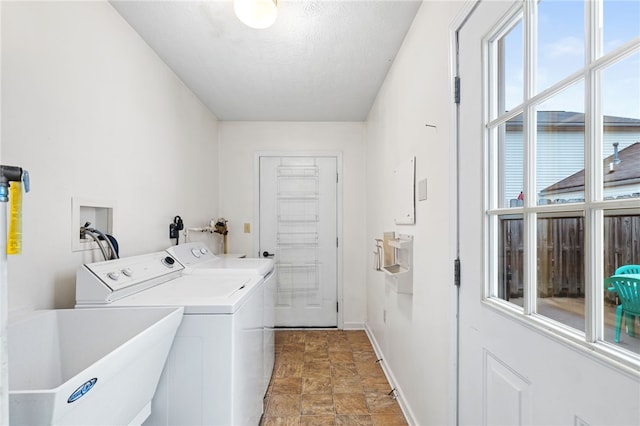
199, 261
214, 372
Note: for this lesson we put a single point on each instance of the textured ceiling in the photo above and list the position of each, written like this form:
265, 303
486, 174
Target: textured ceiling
321, 61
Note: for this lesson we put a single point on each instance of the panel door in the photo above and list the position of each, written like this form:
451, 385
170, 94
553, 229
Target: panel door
298, 228
511, 373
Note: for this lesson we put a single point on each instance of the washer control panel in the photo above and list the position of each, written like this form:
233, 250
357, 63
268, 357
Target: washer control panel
119, 274
191, 254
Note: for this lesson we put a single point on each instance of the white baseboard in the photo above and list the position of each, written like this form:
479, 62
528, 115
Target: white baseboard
353, 326
406, 410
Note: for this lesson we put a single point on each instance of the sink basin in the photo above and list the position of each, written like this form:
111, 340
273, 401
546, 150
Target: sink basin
87, 366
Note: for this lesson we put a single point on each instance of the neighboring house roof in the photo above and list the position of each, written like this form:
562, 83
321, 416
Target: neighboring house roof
570, 120
627, 171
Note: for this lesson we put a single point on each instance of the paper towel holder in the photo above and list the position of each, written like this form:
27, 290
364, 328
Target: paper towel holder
400, 274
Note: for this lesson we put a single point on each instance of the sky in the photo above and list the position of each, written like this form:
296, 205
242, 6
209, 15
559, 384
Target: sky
561, 52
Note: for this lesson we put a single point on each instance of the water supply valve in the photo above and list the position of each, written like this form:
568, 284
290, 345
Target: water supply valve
175, 228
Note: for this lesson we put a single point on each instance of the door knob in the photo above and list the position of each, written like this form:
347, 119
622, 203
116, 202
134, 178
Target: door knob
267, 254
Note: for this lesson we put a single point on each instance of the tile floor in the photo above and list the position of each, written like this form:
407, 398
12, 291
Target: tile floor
328, 378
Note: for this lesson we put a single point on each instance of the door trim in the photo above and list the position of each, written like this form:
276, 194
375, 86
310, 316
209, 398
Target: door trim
454, 346
256, 211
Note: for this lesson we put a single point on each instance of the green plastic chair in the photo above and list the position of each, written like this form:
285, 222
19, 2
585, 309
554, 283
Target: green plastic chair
628, 269
628, 290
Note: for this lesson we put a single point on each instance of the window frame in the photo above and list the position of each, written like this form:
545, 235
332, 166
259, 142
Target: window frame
593, 208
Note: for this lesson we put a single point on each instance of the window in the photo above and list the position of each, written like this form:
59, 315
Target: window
563, 179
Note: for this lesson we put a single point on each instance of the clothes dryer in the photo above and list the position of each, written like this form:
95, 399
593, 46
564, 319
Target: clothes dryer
199, 261
214, 372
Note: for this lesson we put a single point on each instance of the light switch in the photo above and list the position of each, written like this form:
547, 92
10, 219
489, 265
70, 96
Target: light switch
247, 228
422, 190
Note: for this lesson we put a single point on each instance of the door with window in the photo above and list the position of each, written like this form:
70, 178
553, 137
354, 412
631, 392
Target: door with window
547, 149
299, 230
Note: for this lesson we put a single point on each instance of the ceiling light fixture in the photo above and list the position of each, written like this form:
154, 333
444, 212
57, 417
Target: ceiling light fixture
257, 14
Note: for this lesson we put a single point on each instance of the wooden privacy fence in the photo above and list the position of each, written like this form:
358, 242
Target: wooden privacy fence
560, 246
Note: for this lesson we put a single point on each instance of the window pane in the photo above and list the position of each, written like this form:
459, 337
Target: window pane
621, 22
560, 147
621, 128
560, 41
621, 249
511, 245
510, 69
561, 270
511, 151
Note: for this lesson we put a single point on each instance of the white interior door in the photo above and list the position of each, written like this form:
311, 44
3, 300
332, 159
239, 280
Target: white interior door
510, 371
298, 227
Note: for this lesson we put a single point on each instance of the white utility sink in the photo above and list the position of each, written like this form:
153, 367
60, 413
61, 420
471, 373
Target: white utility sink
87, 366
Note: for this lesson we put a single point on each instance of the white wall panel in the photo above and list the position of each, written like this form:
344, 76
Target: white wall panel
413, 331
92, 112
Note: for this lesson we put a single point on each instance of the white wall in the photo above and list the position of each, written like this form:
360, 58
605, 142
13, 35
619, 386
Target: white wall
416, 337
91, 111
239, 142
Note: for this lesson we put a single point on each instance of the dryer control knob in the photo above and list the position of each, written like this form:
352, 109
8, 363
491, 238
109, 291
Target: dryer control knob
204, 250
127, 272
168, 261
195, 252
113, 275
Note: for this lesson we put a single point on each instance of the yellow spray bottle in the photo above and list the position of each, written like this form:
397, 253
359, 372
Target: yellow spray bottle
14, 237
11, 183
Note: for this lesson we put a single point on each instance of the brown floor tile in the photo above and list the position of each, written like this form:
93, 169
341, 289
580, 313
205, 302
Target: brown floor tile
281, 421
316, 355
341, 345
316, 336
328, 420
361, 346
350, 403
337, 335
316, 368
368, 382
342, 420
313, 405
290, 337
341, 357
381, 387
279, 337
388, 420
369, 369
364, 356
287, 385
357, 336
291, 357
283, 405
294, 347
328, 377
316, 345
288, 370
347, 385
320, 384
381, 403
344, 370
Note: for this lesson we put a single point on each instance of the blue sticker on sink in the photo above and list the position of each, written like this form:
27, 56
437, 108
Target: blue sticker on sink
82, 390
